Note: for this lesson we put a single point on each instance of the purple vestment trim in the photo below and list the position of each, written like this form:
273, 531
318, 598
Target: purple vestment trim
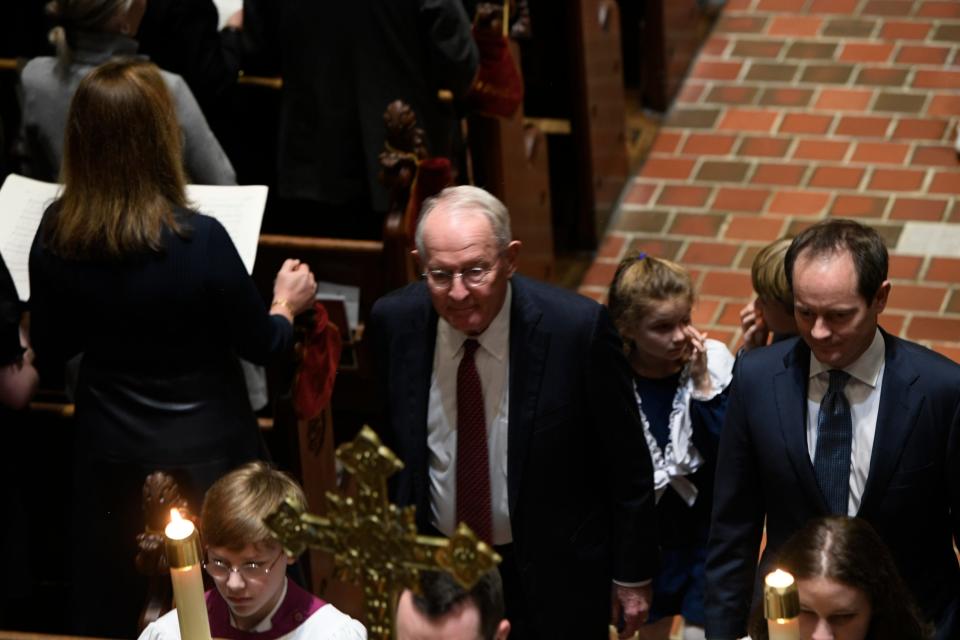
297, 606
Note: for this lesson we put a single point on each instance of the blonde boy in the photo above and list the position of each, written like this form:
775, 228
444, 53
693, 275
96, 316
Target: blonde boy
254, 599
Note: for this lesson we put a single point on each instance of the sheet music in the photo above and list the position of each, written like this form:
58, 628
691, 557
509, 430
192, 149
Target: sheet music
239, 210
23, 201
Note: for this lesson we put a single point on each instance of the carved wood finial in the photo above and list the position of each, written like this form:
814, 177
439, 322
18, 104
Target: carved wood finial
404, 147
160, 494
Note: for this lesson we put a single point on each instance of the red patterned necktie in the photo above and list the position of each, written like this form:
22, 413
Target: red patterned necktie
473, 460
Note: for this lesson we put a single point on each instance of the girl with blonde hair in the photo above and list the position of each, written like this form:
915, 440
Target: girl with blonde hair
680, 381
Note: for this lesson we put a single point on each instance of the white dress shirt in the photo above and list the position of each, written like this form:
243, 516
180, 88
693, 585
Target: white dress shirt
493, 365
863, 394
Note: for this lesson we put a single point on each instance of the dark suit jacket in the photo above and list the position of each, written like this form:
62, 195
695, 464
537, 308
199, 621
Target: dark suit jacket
342, 64
578, 472
181, 36
912, 495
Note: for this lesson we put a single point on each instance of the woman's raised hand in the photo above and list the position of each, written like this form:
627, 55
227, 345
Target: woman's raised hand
294, 290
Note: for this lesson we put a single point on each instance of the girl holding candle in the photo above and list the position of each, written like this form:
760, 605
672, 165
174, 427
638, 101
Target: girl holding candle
254, 599
848, 583
680, 378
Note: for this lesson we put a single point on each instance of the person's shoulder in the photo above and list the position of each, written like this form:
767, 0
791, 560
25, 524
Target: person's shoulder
925, 360
41, 79
174, 81
764, 361
330, 622
38, 69
550, 298
412, 298
166, 627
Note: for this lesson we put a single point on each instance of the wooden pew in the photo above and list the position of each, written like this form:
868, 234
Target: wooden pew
573, 72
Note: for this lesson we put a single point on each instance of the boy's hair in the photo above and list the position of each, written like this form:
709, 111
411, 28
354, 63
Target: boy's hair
640, 282
236, 504
769, 274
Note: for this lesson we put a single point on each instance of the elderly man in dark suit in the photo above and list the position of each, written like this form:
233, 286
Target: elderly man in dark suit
846, 419
510, 403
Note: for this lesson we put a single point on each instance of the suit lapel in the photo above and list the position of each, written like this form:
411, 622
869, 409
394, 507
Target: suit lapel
790, 390
528, 353
896, 416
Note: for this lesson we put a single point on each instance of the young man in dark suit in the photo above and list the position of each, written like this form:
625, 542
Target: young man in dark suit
845, 419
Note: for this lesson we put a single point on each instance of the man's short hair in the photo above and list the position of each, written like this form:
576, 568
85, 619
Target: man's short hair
441, 594
464, 198
236, 504
829, 237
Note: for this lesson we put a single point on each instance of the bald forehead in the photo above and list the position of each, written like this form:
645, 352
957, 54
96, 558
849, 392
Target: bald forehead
457, 229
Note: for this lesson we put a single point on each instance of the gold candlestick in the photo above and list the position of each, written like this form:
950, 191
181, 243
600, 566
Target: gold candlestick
781, 606
186, 573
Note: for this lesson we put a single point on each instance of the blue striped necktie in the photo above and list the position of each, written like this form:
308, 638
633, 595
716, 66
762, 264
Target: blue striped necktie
831, 461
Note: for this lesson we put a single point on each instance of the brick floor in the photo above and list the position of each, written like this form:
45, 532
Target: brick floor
795, 110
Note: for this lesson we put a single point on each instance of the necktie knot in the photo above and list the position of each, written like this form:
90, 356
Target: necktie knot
470, 347
838, 380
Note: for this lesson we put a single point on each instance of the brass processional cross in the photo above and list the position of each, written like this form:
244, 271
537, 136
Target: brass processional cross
375, 544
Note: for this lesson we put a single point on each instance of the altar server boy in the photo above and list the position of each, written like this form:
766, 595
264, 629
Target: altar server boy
253, 598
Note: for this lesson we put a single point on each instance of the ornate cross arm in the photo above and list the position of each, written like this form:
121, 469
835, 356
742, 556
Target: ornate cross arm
374, 543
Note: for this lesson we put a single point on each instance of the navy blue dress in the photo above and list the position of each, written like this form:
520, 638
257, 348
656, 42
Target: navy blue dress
678, 587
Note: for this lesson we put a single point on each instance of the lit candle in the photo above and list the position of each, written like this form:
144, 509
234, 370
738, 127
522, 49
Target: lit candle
781, 606
186, 572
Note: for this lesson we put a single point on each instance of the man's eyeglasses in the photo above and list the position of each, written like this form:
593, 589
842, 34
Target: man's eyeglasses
441, 279
220, 570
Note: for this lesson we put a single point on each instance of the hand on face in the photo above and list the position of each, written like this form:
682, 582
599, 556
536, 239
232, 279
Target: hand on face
755, 332
697, 356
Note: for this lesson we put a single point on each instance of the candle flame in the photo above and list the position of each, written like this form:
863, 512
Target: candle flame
179, 528
779, 579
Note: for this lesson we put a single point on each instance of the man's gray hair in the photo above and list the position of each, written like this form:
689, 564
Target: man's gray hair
464, 198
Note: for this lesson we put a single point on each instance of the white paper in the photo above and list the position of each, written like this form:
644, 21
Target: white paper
23, 201
225, 9
239, 210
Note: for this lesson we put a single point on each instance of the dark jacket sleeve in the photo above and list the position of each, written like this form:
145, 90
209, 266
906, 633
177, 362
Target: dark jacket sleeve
617, 423
181, 36
737, 522
259, 42
453, 52
255, 334
54, 333
10, 311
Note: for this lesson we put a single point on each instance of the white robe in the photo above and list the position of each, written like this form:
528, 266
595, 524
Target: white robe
327, 623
